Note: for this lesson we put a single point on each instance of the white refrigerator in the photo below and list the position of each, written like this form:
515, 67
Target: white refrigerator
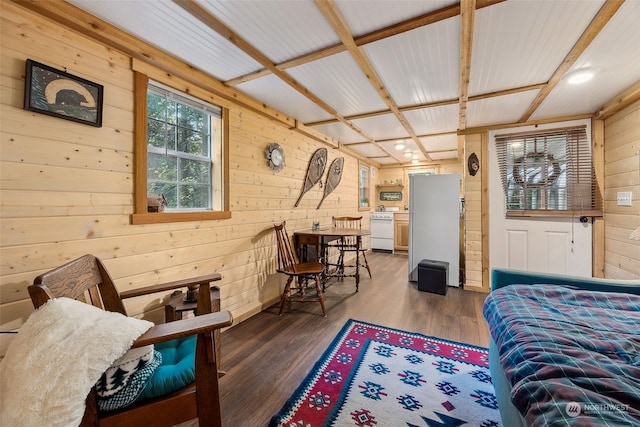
434, 222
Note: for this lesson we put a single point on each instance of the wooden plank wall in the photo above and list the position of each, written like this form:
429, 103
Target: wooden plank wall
473, 195
67, 189
622, 173
394, 173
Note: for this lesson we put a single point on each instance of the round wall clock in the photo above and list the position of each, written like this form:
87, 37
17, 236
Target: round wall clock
275, 156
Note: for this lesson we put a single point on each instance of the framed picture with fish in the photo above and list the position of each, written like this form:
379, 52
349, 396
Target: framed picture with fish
60, 94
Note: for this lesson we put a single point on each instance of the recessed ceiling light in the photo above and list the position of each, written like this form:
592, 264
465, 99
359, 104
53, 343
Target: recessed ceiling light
580, 75
399, 145
414, 161
408, 153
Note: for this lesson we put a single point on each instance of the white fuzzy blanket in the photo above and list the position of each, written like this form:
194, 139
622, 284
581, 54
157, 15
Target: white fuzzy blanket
58, 355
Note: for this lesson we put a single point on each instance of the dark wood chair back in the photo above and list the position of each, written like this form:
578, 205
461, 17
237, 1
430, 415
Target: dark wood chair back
352, 222
350, 243
85, 279
289, 264
287, 258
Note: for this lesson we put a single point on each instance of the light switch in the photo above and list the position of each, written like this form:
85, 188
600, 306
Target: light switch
624, 198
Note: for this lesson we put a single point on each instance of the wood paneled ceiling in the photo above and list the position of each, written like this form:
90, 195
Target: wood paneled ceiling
366, 74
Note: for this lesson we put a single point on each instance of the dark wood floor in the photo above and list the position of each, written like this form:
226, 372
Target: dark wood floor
267, 356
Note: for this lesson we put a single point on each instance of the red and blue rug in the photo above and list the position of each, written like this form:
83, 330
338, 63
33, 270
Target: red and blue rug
376, 376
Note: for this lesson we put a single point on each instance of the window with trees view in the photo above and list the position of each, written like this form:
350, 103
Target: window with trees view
182, 134
181, 152
363, 186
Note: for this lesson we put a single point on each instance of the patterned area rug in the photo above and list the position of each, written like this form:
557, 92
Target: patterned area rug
376, 376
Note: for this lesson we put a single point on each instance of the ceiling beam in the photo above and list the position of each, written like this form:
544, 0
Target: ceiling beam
387, 111
425, 135
94, 28
467, 19
333, 17
222, 29
481, 129
374, 36
622, 100
434, 104
596, 25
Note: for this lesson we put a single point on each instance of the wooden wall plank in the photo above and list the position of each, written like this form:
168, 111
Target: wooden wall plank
475, 229
622, 173
66, 189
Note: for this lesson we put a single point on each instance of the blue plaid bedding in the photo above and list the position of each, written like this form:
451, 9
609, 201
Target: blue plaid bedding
571, 356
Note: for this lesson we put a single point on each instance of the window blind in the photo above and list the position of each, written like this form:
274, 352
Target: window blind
547, 171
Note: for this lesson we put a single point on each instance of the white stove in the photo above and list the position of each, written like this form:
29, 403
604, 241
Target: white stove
382, 215
382, 231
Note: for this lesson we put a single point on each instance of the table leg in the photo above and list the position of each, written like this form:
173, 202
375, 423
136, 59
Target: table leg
324, 257
358, 263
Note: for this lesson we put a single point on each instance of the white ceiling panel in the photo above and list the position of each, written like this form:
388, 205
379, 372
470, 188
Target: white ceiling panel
386, 160
383, 127
194, 43
515, 44
419, 66
440, 142
433, 120
499, 109
281, 29
380, 14
340, 83
368, 150
340, 132
444, 155
409, 145
613, 72
279, 95
519, 43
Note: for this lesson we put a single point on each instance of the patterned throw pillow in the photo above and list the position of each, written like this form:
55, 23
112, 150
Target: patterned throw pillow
122, 383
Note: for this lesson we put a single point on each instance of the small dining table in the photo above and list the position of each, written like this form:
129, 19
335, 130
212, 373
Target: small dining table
320, 238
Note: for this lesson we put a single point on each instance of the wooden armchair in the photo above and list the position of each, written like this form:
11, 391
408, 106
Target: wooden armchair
87, 279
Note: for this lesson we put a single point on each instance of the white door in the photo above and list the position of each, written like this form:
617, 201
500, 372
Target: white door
561, 245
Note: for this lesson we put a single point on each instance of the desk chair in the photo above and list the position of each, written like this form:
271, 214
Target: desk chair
86, 279
348, 244
301, 271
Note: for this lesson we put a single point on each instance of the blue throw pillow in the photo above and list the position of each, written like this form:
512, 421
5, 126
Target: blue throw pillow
177, 369
125, 379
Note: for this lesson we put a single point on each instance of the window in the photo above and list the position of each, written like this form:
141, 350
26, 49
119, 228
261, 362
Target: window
180, 153
421, 172
363, 186
181, 138
547, 172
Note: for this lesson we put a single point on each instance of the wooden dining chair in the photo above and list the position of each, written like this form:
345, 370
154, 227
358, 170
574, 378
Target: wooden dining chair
349, 244
299, 273
86, 279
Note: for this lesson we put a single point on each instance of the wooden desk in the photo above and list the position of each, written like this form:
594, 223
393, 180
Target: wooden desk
320, 238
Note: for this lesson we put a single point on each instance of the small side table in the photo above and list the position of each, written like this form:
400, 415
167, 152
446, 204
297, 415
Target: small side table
177, 306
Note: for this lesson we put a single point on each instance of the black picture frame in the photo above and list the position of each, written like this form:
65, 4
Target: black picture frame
60, 94
391, 196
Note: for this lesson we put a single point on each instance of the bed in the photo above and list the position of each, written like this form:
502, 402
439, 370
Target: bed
564, 350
